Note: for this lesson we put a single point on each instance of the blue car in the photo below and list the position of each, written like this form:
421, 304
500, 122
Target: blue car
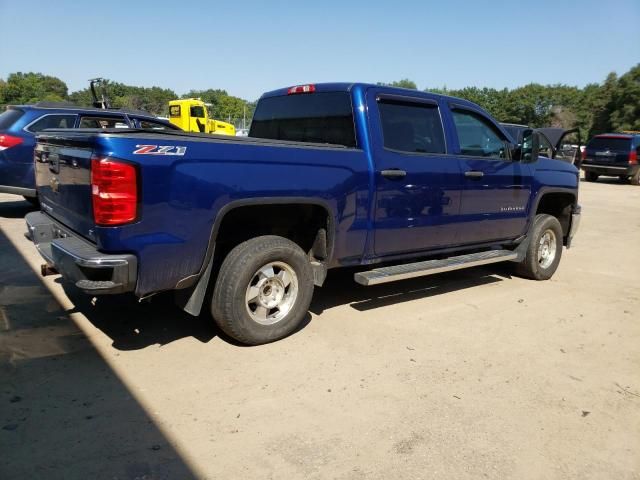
19, 125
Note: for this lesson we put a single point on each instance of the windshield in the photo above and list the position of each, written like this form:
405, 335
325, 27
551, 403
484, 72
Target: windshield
313, 117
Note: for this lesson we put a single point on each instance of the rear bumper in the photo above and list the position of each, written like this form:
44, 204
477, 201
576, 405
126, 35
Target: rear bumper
575, 224
25, 192
79, 261
612, 170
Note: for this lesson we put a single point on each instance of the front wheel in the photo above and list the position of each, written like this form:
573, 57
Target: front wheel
263, 290
545, 249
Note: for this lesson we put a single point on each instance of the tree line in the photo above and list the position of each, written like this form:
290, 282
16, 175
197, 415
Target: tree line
27, 88
612, 105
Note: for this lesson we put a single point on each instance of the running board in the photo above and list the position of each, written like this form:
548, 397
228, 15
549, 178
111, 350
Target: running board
430, 267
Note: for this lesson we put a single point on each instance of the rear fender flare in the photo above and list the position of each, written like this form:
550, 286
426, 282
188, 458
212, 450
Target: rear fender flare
195, 279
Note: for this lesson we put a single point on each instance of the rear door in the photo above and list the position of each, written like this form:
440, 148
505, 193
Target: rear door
417, 199
496, 190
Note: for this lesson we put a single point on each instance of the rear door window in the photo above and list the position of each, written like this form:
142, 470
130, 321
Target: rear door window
411, 127
324, 117
52, 121
477, 136
102, 122
9, 117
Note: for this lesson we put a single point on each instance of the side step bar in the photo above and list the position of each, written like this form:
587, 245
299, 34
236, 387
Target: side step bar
430, 267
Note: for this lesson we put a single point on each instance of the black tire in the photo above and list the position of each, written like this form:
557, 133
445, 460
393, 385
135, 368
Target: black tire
240, 269
635, 178
532, 267
623, 178
591, 176
35, 201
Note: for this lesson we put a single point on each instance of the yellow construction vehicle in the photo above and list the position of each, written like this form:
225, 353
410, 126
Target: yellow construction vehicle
191, 115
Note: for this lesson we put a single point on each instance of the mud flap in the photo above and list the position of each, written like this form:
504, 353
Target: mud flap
191, 299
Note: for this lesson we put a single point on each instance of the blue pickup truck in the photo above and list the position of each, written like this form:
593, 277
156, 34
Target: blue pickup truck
397, 182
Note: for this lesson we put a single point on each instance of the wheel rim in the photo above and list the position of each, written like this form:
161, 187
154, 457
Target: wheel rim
271, 293
547, 249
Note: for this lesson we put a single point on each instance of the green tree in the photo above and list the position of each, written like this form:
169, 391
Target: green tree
404, 83
154, 100
625, 102
24, 88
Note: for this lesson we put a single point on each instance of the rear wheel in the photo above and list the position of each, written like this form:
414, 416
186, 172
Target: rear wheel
545, 249
263, 290
623, 178
591, 176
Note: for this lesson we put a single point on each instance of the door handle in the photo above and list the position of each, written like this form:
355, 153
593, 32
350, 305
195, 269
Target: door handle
474, 174
394, 173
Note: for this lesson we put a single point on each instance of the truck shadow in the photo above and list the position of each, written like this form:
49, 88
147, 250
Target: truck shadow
16, 209
65, 412
132, 325
340, 288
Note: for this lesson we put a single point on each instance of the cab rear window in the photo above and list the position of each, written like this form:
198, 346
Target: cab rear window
325, 117
9, 117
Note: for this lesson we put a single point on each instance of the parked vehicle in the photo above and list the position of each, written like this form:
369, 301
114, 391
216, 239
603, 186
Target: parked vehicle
401, 183
19, 125
557, 143
612, 154
191, 115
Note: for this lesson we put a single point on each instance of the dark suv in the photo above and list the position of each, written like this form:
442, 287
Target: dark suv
20, 123
612, 154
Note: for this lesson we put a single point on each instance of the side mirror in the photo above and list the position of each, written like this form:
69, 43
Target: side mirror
529, 150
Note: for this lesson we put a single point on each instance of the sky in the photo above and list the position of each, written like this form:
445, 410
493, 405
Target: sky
250, 47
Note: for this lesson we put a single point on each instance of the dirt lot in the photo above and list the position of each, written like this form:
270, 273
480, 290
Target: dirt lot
474, 374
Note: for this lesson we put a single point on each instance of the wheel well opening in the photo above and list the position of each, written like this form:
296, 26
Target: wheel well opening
558, 205
306, 225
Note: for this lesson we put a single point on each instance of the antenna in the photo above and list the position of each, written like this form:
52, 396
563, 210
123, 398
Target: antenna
103, 101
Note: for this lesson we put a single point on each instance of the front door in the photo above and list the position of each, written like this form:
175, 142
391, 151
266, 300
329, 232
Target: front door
418, 185
497, 190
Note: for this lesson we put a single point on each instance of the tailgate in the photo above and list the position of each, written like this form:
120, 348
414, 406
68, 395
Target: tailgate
608, 150
63, 179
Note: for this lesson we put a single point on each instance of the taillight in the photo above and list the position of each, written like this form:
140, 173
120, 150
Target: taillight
8, 141
114, 191
583, 154
301, 89
633, 157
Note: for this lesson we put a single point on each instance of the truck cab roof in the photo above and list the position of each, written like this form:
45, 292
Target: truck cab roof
349, 86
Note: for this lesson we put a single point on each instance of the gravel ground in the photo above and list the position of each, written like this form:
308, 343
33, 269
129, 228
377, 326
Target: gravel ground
473, 374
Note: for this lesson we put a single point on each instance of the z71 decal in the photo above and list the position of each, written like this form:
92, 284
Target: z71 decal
160, 150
